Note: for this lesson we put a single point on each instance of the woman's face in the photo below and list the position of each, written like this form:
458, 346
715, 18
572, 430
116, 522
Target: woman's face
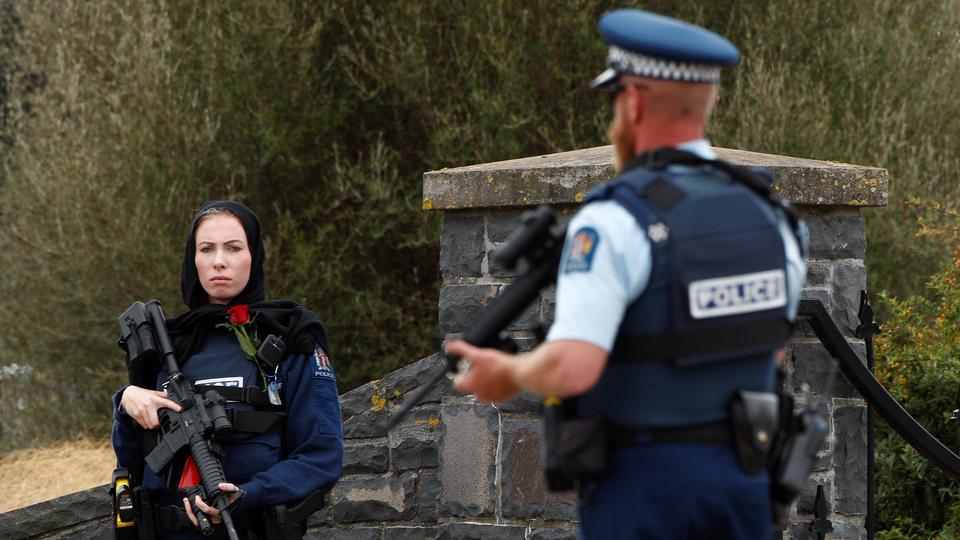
223, 257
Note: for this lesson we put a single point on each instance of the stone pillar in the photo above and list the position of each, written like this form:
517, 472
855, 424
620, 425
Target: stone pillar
481, 205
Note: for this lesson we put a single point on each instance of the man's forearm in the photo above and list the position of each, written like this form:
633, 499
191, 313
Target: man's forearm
559, 368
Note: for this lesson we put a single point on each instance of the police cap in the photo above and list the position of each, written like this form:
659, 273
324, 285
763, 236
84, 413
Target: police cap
658, 47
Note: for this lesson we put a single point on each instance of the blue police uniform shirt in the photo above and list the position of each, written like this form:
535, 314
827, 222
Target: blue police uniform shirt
591, 302
270, 470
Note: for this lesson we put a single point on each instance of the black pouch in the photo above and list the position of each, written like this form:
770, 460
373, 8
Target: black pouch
573, 449
754, 419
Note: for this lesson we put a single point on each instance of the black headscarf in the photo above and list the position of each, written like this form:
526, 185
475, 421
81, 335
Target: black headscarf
300, 328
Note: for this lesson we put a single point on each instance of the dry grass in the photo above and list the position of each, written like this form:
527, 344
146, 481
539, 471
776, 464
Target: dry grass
34, 475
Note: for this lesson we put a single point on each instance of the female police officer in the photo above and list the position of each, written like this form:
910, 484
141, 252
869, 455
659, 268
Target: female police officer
268, 460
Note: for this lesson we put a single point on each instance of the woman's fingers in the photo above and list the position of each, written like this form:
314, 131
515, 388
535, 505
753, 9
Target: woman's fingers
208, 510
193, 518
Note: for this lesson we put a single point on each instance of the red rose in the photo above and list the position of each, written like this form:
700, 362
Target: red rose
239, 314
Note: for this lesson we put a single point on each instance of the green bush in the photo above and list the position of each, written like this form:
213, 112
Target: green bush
918, 361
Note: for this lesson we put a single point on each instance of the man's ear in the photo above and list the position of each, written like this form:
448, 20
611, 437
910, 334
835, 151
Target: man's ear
636, 106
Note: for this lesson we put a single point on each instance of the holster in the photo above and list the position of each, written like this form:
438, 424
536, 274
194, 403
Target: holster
754, 420
278, 524
573, 449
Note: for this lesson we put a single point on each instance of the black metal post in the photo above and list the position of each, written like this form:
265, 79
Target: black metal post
866, 331
821, 511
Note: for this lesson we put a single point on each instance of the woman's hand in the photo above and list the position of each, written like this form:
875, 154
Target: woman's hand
229, 489
142, 404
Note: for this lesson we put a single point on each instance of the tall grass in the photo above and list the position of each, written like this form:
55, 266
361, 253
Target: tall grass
122, 117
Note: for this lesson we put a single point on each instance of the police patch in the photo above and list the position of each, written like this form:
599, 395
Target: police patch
322, 366
734, 295
580, 251
232, 382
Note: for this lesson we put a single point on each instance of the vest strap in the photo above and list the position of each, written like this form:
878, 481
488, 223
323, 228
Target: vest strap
256, 421
251, 395
673, 345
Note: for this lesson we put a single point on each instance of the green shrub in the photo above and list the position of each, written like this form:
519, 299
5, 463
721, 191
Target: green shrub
918, 361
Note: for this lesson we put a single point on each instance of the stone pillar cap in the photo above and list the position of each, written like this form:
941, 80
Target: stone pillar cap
567, 177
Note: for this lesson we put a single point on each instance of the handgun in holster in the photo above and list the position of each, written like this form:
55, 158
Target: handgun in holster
573, 448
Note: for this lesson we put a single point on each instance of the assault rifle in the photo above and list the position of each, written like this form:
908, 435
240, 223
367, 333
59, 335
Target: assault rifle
143, 333
538, 242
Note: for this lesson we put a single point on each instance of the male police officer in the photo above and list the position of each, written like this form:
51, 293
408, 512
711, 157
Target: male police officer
676, 291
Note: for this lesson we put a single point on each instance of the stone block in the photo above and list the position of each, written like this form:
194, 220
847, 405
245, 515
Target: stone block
428, 496
812, 364
836, 234
807, 499
841, 530
462, 305
365, 458
501, 224
409, 533
819, 273
413, 443
356, 401
802, 328
102, 528
370, 423
461, 245
850, 459
412, 376
62, 512
524, 493
479, 531
529, 319
496, 269
374, 498
344, 533
848, 531
524, 402
553, 534
468, 445
849, 278
548, 304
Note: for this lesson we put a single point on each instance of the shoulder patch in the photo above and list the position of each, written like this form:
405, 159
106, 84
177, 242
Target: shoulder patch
580, 250
321, 364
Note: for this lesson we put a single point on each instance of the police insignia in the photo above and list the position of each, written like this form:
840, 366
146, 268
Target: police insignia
580, 251
322, 366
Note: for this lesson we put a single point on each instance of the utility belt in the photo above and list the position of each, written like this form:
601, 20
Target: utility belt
762, 427
137, 516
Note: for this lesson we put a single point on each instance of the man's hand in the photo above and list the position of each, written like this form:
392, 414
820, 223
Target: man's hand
214, 513
489, 377
142, 404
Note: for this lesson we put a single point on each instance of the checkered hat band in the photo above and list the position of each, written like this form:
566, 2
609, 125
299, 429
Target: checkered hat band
642, 65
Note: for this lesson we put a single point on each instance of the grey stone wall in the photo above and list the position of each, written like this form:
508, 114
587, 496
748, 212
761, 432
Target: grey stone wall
455, 468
